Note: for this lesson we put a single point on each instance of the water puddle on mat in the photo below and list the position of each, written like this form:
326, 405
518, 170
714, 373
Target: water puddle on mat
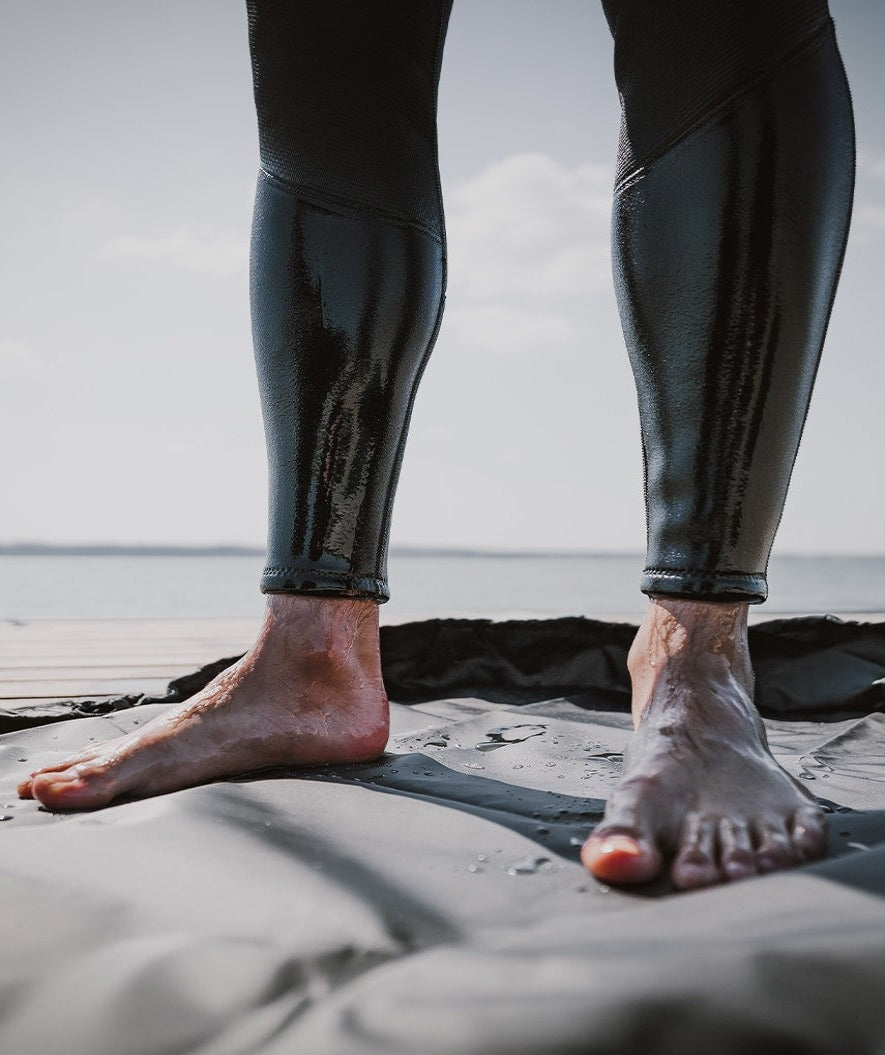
530, 866
809, 763
509, 734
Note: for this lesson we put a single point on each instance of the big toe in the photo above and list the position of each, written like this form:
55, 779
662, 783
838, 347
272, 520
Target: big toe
621, 857
76, 788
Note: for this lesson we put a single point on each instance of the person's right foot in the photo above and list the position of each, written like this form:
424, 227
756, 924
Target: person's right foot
308, 692
700, 787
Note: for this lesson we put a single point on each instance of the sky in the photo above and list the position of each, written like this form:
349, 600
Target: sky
128, 406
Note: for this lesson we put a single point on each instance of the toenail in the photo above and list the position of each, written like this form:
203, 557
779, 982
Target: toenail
619, 844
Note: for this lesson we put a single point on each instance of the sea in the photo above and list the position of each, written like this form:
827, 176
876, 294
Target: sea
424, 585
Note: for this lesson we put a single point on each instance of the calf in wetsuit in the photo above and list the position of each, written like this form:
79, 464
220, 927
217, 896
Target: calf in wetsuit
732, 200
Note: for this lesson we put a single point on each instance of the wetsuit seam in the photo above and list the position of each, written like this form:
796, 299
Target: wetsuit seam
809, 43
336, 576
326, 199
677, 573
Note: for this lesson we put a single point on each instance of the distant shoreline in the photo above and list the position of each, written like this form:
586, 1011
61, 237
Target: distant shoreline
45, 549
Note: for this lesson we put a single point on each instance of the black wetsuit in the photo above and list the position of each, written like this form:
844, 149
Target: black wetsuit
733, 193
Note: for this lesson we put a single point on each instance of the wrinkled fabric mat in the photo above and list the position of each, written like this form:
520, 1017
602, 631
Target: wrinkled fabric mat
431, 902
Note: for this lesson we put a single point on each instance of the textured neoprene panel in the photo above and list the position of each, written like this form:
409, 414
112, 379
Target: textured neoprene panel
727, 251
346, 98
676, 60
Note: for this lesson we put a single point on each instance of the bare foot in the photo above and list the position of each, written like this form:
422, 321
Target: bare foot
308, 692
700, 787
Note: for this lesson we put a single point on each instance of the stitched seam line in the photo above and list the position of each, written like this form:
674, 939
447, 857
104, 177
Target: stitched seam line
675, 573
806, 47
326, 198
338, 576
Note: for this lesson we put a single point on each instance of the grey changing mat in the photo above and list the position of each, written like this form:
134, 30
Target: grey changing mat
434, 901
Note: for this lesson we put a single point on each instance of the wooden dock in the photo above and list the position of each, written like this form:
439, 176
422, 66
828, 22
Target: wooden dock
103, 658
45, 660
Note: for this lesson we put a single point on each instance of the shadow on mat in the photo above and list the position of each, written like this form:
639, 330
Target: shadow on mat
559, 824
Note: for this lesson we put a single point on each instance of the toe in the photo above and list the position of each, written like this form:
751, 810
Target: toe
615, 855
808, 832
78, 787
774, 848
737, 859
25, 788
623, 849
695, 864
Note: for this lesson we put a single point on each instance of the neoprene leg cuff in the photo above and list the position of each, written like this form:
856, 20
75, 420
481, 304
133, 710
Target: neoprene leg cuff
723, 586
323, 582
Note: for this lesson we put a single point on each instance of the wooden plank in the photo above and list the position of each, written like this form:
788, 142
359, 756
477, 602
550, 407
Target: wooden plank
100, 658
93, 673
68, 688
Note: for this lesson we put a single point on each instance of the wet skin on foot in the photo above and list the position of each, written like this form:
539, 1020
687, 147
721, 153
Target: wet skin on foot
307, 693
700, 792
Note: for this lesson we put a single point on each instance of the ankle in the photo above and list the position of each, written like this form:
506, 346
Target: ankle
343, 629
693, 638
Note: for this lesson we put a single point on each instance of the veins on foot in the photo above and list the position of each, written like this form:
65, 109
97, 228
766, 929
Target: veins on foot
700, 790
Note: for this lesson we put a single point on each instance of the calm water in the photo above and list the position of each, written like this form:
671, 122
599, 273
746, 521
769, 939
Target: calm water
63, 587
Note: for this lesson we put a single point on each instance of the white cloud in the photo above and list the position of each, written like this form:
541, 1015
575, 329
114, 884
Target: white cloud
502, 328
18, 360
532, 228
220, 256
876, 167
868, 219
528, 241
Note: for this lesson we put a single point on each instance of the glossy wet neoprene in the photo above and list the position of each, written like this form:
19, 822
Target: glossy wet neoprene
731, 213
732, 203
347, 273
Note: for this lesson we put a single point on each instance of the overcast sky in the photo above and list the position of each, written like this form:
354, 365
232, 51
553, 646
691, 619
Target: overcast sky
128, 406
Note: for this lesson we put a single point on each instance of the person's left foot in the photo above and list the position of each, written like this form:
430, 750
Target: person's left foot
700, 789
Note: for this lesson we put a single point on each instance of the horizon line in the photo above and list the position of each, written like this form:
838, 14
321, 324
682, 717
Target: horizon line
105, 549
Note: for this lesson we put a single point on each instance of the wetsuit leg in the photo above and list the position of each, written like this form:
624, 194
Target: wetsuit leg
732, 204
347, 272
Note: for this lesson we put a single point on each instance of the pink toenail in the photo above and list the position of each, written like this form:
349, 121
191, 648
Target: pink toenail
619, 844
